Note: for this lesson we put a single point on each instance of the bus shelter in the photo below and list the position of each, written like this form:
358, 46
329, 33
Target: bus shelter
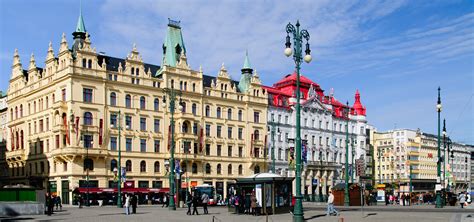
272, 191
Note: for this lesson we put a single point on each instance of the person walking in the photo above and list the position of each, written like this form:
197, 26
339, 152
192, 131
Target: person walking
134, 203
253, 204
205, 200
127, 204
402, 198
462, 199
165, 201
247, 205
331, 210
47, 203
58, 203
195, 203
189, 202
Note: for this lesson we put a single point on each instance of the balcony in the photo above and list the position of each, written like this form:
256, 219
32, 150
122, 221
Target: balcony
79, 151
15, 155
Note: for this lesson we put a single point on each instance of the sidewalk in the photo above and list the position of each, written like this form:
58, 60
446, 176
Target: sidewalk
413, 208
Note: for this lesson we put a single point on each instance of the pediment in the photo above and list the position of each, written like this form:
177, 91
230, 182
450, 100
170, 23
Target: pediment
314, 103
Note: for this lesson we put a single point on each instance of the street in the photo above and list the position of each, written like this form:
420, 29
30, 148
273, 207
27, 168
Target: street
313, 212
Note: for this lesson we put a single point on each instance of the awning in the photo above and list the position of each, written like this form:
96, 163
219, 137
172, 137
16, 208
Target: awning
123, 190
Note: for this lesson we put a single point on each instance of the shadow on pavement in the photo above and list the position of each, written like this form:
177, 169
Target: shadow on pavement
371, 214
315, 216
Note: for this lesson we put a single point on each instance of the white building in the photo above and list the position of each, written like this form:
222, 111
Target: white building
323, 133
3, 138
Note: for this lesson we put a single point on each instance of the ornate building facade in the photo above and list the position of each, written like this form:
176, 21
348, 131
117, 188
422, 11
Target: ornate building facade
402, 153
64, 119
3, 139
323, 131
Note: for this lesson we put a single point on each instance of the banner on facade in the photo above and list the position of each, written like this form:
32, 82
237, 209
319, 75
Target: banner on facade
201, 145
77, 129
68, 141
169, 137
251, 145
101, 129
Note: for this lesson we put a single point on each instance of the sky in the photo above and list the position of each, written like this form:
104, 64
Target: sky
395, 52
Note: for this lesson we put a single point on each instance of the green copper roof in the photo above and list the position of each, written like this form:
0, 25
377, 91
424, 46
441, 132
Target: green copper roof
80, 23
173, 41
247, 62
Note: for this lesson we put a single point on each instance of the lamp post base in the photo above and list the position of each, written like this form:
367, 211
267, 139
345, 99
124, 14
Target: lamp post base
438, 200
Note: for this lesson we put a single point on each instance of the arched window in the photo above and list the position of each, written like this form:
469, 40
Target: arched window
157, 166
156, 104
16, 112
142, 102
128, 165
184, 128
256, 135
90, 64
219, 170
195, 168
21, 108
88, 118
194, 109
185, 86
240, 115
128, 101
208, 168
183, 108
11, 114
194, 87
208, 111
218, 115
184, 167
137, 71
229, 114
240, 170
21, 139
113, 165
47, 104
172, 83
113, 99
143, 166
256, 169
229, 169
84, 63
88, 164
133, 71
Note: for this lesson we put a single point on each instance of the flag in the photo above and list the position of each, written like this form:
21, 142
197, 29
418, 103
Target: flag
266, 147
68, 141
251, 145
101, 128
201, 145
304, 153
77, 129
12, 141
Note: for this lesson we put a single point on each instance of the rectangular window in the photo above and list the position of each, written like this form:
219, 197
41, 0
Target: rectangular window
41, 126
63, 94
256, 117
47, 124
87, 95
128, 122
143, 145
142, 123
110, 76
219, 130
195, 129
115, 77
113, 120
229, 151
229, 132
208, 130
128, 144
57, 141
88, 141
208, 149
241, 151
286, 119
157, 184
113, 143
157, 146
157, 125
219, 150
240, 133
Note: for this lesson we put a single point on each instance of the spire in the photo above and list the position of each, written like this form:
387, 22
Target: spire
32, 62
63, 46
16, 58
50, 54
80, 27
359, 109
247, 62
173, 46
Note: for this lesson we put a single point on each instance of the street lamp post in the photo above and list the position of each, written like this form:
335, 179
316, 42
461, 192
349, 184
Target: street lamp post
352, 160
410, 182
118, 125
173, 95
445, 181
273, 125
438, 193
87, 173
379, 155
298, 36
346, 188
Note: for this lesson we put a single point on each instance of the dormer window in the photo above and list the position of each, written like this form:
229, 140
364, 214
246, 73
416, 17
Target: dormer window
133, 71
178, 49
137, 71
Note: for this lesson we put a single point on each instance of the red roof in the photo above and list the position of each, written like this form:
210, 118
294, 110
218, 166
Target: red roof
292, 77
273, 90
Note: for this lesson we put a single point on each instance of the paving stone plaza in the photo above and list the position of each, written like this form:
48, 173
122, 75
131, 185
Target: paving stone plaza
312, 212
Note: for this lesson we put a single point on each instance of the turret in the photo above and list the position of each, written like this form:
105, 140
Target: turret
247, 73
358, 108
80, 34
173, 46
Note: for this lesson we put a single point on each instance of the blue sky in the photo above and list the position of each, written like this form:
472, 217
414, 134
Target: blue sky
395, 52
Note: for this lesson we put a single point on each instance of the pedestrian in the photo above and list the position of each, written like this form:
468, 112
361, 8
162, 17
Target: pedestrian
236, 204
127, 204
134, 203
165, 201
386, 199
253, 204
195, 203
247, 204
189, 202
47, 203
331, 210
462, 199
402, 198
205, 200
58, 202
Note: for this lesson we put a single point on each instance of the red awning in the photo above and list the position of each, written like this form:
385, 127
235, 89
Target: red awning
123, 190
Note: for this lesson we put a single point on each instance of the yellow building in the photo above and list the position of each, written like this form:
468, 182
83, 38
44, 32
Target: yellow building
65, 118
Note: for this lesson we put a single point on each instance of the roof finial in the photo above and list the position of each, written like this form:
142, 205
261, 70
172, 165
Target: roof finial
247, 61
80, 21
